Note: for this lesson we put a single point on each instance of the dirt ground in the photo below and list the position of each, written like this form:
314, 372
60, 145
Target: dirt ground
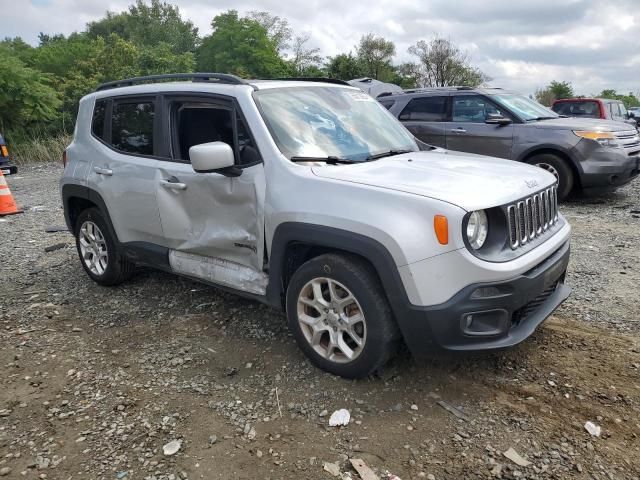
95, 381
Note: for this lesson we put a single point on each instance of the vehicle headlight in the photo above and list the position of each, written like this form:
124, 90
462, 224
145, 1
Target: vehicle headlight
477, 229
606, 139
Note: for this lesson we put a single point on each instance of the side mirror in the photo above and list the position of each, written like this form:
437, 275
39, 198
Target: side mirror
631, 115
211, 157
497, 119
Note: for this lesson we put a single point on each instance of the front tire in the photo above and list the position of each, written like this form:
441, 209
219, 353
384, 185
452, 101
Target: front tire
98, 250
340, 317
559, 168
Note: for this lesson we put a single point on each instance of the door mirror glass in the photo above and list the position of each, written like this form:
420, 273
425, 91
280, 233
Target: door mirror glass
209, 157
497, 119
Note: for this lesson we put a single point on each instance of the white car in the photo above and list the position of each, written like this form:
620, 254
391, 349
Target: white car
313, 198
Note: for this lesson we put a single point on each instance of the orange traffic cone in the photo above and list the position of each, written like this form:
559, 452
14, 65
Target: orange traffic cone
7, 203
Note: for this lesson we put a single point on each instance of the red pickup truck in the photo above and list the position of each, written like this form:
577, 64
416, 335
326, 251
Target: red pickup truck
604, 108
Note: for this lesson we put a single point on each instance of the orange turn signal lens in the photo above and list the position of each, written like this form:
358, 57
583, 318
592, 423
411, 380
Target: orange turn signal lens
441, 226
4, 151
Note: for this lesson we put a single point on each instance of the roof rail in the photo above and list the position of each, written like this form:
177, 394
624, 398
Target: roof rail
337, 81
196, 77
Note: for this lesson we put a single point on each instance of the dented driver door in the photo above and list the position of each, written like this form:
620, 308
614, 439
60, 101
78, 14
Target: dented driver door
214, 224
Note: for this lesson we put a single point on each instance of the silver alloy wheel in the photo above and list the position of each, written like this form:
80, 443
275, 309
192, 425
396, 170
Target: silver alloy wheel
549, 168
93, 248
332, 320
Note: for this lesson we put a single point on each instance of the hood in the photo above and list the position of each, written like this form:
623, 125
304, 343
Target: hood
471, 182
573, 123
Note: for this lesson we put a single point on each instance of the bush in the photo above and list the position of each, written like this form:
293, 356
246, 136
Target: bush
39, 149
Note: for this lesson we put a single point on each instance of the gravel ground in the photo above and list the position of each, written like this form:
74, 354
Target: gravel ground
96, 381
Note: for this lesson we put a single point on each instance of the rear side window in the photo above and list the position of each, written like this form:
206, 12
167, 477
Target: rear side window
426, 109
132, 127
97, 124
587, 109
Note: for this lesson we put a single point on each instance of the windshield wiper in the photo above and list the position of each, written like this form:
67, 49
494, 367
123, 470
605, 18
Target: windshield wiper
540, 118
331, 160
388, 153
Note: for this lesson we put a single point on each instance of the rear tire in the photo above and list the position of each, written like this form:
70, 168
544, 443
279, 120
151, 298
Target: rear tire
340, 317
98, 250
559, 168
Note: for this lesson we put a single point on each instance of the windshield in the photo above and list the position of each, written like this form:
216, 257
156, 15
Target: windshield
524, 107
331, 122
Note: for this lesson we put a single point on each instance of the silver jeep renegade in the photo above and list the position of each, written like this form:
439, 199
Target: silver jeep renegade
311, 197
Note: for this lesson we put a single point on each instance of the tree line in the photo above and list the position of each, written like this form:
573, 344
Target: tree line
40, 86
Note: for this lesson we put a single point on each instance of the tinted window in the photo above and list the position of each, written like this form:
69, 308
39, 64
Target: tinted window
132, 127
587, 109
473, 108
97, 124
426, 109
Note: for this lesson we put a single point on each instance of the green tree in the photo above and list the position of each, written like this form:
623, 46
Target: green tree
375, 54
441, 63
304, 61
148, 25
344, 66
629, 100
554, 91
278, 29
26, 96
241, 46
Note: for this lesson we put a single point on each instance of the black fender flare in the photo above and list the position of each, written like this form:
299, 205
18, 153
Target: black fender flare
71, 191
546, 148
333, 238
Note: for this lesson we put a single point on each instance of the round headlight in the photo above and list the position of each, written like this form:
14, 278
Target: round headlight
477, 229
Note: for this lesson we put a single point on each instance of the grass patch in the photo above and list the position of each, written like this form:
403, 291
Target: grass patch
39, 149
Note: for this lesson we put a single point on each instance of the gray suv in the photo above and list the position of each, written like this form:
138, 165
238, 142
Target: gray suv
587, 154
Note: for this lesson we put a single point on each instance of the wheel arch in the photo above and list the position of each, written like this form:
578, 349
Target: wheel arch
294, 243
76, 199
559, 152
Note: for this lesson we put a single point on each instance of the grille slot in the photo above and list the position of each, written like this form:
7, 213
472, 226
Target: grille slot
531, 217
523, 312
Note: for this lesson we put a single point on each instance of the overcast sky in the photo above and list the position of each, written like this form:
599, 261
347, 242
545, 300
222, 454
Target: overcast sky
521, 44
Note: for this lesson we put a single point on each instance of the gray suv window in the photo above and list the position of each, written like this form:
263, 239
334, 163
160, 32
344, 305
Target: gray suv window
132, 127
472, 108
426, 109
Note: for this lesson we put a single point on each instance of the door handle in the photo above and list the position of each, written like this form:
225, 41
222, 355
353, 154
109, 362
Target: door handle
173, 185
103, 171
458, 130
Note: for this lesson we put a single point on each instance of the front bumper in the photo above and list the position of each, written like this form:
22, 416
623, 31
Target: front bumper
489, 316
605, 169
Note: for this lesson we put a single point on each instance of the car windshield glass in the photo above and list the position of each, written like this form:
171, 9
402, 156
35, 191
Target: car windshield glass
334, 122
623, 110
586, 108
524, 107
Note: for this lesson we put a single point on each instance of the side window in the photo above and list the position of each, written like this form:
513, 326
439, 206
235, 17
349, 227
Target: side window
472, 109
425, 109
132, 127
97, 123
194, 123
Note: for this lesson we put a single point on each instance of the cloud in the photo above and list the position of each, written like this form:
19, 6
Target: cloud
521, 45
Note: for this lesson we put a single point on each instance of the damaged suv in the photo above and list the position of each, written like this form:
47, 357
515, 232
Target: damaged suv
312, 198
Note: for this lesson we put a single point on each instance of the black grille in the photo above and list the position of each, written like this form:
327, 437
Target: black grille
523, 312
